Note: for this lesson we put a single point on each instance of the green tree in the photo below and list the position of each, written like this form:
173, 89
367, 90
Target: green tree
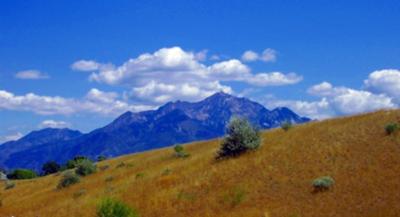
50, 167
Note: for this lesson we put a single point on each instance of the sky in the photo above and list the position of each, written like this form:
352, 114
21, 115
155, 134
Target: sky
80, 64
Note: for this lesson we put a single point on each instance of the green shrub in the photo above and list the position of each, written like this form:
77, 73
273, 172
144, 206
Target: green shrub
139, 175
180, 151
323, 183
114, 208
101, 158
69, 178
242, 136
50, 167
9, 185
22, 174
75, 162
86, 167
391, 128
287, 125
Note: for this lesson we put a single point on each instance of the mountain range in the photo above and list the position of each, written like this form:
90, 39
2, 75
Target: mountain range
173, 123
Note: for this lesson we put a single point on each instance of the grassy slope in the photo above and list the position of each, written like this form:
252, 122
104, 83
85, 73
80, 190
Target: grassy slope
275, 180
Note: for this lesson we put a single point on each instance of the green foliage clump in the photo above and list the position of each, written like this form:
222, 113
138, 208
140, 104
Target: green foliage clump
114, 208
286, 126
139, 175
22, 174
392, 128
75, 162
69, 178
9, 185
50, 167
101, 158
85, 167
323, 183
180, 151
242, 136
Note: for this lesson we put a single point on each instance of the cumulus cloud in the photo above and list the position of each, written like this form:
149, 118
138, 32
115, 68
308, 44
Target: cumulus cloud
96, 101
31, 75
338, 101
268, 55
54, 124
172, 73
386, 81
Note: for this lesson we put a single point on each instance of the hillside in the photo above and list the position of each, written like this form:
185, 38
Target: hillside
274, 181
173, 123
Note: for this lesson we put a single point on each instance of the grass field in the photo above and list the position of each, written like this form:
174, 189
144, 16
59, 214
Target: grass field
273, 181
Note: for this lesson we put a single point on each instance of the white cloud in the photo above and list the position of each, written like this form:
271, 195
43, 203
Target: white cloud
249, 56
358, 101
54, 124
172, 73
11, 137
268, 55
85, 65
96, 101
31, 75
274, 79
386, 81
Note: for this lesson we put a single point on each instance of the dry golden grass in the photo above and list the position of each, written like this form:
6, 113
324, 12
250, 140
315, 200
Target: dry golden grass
272, 181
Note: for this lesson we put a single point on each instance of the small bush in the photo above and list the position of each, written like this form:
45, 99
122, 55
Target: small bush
50, 167
101, 158
139, 175
9, 185
323, 183
242, 136
391, 128
75, 162
114, 208
286, 126
69, 178
22, 174
85, 168
180, 151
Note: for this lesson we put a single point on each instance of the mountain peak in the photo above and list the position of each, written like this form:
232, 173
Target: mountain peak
219, 95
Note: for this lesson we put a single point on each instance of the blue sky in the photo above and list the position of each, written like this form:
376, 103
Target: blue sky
80, 64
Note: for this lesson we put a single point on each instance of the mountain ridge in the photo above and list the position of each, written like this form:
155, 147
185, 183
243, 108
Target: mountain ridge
173, 123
